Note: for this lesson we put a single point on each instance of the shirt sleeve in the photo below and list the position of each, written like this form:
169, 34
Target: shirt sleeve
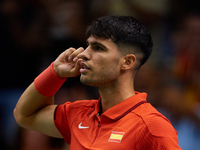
157, 134
62, 121
151, 142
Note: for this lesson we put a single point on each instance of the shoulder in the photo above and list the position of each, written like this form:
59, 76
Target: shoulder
156, 123
81, 104
73, 109
77, 106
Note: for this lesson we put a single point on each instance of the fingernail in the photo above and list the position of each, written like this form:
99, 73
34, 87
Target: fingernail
70, 58
75, 59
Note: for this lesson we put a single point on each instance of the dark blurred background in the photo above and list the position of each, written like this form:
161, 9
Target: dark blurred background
34, 32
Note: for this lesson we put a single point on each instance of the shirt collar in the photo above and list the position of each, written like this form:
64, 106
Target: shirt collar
120, 110
96, 109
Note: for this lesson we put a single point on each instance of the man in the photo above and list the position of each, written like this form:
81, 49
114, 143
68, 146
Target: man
121, 118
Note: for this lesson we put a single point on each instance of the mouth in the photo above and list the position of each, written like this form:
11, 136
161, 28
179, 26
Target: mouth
84, 67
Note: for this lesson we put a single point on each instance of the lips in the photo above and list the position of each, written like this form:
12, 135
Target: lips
84, 67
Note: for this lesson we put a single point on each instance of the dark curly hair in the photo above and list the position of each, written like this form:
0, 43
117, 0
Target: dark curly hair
124, 31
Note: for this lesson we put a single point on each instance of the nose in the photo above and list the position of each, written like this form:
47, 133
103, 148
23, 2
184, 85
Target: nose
85, 55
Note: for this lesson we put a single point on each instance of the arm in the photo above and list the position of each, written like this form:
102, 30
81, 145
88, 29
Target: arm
34, 110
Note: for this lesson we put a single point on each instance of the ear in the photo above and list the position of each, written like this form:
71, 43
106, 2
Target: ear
128, 62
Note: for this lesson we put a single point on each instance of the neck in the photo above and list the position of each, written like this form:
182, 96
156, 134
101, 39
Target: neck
113, 95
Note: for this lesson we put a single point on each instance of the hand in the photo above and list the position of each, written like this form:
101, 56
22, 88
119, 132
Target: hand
68, 64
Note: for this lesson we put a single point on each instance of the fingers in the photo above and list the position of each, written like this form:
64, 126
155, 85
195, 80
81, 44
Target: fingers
72, 54
77, 66
67, 63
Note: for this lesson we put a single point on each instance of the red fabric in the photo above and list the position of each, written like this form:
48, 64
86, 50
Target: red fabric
142, 128
48, 82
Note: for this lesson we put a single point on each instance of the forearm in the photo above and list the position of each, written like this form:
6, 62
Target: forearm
35, 108
29, 103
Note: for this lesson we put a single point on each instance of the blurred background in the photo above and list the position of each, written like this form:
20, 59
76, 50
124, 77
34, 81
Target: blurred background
34, 32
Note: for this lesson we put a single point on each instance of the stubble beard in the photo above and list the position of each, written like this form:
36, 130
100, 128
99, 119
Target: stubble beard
103, 82
88, 81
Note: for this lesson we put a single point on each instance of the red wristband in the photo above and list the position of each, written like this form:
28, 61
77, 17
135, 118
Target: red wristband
48, 82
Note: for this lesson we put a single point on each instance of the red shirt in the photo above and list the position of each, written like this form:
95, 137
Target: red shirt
132, 124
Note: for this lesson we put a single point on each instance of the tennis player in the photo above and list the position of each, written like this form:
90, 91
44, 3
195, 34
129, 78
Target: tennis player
121, 119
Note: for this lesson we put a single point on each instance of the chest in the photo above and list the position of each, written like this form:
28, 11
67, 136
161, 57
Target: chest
97, 132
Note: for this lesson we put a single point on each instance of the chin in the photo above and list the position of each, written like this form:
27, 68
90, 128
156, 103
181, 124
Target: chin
85, 80
88, 81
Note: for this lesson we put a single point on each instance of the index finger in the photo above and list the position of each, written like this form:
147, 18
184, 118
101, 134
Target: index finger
75, 53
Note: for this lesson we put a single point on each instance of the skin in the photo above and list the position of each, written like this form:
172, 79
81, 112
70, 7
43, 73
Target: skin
101, 64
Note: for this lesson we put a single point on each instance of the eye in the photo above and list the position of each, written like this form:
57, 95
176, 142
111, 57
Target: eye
97, 48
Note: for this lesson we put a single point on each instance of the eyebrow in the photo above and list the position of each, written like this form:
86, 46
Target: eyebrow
96, 43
